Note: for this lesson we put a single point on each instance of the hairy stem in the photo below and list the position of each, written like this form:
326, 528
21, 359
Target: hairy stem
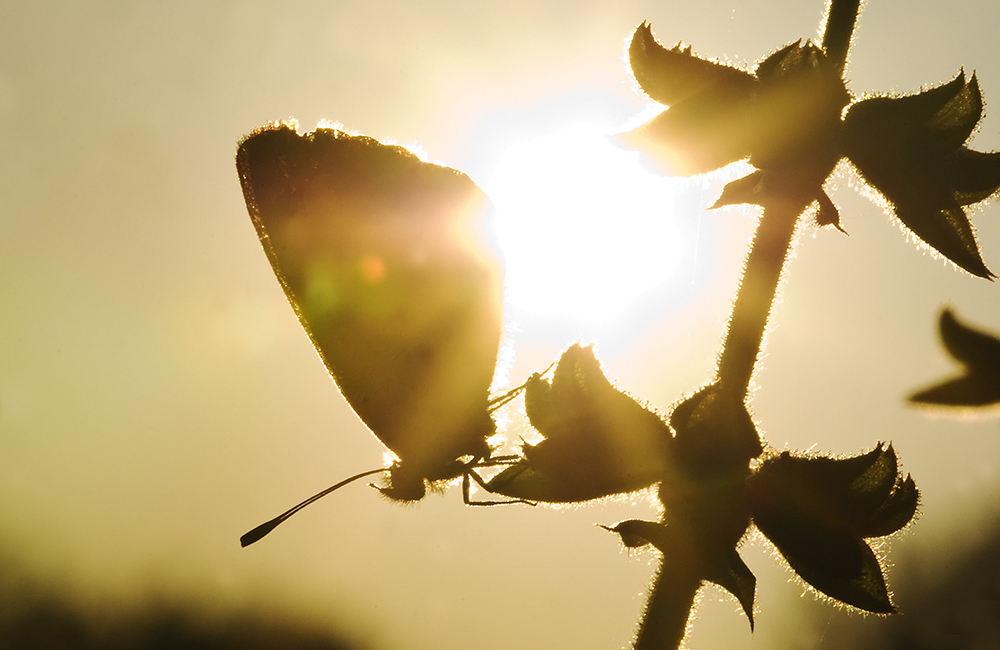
670, 602
840, 21
669, 606
673, 596
753, 302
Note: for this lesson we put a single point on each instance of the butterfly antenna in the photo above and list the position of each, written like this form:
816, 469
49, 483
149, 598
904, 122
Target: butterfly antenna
260, 531
507, 397
501, 400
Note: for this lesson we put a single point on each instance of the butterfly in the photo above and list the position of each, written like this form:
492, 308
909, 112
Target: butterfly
393, 271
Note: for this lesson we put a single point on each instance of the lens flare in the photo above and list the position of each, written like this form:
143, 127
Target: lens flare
584, 227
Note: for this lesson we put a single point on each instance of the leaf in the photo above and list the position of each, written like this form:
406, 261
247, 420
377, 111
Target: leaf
693, 137
707, 124
853, 576
967, 391
827, 214
897, 511
976, 349
911, 150
947, 229
755, 189
783, 117
674, 76
850, 494
714, 432
636, 533
747, 189
974, 175
598, 440
904, 123
736, 577
954, 122
797, 115
874, 485
979, 353
717, 563
818, 511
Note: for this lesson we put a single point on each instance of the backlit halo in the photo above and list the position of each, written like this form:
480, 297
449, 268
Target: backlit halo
584, 227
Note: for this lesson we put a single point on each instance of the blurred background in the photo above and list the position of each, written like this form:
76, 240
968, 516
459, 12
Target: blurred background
158, 397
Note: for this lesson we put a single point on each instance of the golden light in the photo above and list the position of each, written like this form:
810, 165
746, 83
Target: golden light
584, 227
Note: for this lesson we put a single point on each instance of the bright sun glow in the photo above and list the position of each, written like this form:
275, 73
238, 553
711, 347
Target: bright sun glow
585, 229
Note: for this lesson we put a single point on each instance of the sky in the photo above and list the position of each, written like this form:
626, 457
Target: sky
158, 397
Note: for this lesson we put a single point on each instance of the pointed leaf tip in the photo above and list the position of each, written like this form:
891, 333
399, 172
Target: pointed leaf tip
948, 230
732, 574
671, 75
746, 190
827, 213
703, 128
635, 533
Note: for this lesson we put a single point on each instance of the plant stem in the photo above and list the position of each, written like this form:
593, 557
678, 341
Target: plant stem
840, 20
753, 302
676, 586
669, 606
672, 598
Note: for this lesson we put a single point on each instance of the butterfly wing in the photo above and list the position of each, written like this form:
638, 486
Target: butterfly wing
391, 269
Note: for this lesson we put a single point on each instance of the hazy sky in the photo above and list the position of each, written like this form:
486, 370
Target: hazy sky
158, 397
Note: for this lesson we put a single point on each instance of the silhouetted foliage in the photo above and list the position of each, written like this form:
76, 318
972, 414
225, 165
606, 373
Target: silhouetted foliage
786, 120
598, 440
979, 353
912, 150
819, 511
783, 117
412, 345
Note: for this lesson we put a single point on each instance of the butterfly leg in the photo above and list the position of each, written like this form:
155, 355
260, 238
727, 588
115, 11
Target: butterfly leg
471, 473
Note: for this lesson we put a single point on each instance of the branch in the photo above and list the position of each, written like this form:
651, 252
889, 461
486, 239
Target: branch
669, 606
841, 17
753, 302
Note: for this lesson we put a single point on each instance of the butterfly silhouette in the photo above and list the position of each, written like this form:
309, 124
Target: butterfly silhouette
391, 266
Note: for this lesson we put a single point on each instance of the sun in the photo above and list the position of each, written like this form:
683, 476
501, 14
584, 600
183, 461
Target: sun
584, 227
